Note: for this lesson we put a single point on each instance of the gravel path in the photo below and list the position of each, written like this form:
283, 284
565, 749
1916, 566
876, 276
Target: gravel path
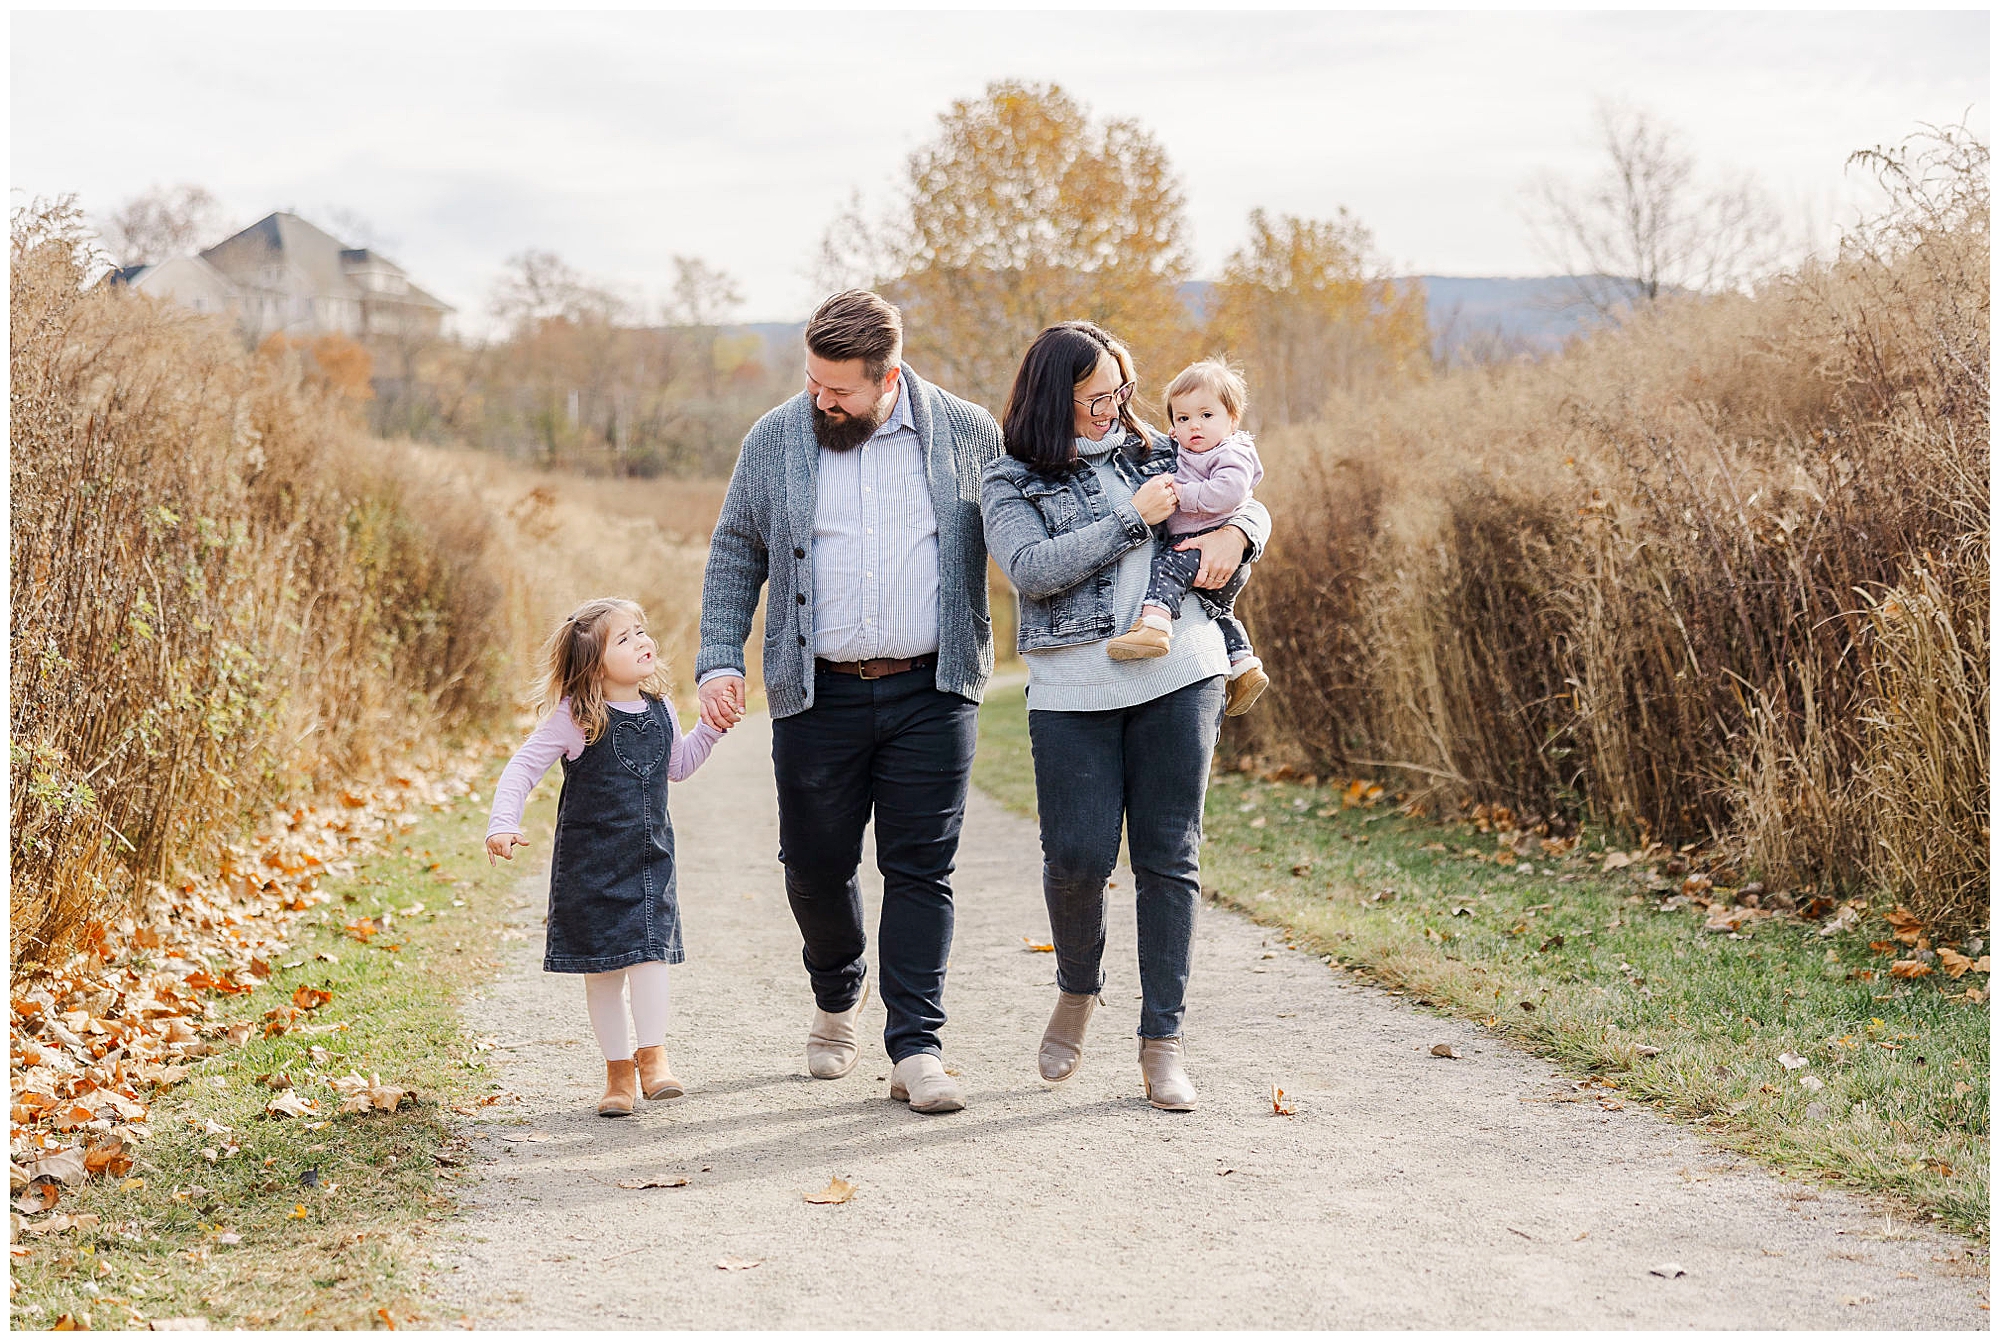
1407, 1191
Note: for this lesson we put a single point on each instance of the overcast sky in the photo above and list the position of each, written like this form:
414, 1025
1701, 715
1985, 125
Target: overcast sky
618, 140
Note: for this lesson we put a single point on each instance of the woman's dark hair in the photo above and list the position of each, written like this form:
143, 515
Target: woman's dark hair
1040, 423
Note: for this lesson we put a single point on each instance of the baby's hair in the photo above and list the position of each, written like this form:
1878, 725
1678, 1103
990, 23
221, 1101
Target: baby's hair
1216, 377
573, 658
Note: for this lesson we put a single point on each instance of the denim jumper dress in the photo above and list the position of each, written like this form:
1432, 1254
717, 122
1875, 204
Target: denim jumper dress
611, 881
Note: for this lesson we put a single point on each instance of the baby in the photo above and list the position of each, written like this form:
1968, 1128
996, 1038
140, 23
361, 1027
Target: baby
1217, 471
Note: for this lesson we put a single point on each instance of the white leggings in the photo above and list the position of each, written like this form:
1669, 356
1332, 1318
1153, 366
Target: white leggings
604, 994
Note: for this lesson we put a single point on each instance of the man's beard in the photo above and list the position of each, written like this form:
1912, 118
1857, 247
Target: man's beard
848, 431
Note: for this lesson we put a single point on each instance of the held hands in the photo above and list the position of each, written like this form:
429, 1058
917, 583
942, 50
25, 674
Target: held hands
1222, 551
502, 845
722, 702
1156, 500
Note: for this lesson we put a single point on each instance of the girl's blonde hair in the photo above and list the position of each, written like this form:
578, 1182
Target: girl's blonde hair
573, 661
1218, 379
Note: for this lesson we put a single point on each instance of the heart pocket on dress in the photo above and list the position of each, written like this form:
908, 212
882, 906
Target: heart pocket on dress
638, 741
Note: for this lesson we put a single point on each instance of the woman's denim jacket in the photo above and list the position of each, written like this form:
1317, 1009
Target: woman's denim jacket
1058, 539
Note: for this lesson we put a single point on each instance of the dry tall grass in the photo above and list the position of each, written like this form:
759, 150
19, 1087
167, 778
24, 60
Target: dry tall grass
1717, 575
223, 594
570, 537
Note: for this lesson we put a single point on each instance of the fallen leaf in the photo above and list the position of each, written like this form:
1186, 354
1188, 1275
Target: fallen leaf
1813, 1083
1552, 943
1906, 925
178, 1324
310, 998
1037, 947
738, 1263
640, 1184
1955, 964
289, 1104
1791, 1061
1646, 1050
387, 1321
833, 1194
298, 1212
1443, 1050
38, 1197
64, 1166
1280, 1105
1669, 1270
1909, 968
1616, 861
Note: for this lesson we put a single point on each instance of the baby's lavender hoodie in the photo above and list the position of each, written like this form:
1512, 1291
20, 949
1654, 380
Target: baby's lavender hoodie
1215, 483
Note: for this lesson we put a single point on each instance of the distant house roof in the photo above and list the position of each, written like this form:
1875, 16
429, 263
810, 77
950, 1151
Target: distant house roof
320, 256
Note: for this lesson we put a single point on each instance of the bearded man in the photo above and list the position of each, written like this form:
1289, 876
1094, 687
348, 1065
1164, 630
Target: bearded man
857, 500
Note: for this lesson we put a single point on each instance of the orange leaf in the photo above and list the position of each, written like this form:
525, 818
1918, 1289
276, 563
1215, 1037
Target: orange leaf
1906, 924
1037, 947
1909, 968
310, 998
1955, 964
837, 1191
1280, 1105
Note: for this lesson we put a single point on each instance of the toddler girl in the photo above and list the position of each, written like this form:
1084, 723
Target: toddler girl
1218, 468
613, 916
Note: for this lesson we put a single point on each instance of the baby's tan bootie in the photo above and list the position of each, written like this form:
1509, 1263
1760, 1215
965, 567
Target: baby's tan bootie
1140, 642
621, 1089
656, 1078
1247, 682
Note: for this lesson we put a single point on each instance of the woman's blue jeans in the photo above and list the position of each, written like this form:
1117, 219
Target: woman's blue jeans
1143, 769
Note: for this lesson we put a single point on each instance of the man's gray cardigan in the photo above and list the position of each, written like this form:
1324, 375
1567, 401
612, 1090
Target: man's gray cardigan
765, 533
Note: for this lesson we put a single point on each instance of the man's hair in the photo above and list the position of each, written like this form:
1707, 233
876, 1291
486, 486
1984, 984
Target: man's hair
857, 324
1218, 379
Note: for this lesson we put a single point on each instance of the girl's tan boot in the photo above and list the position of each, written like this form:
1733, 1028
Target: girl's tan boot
621, 1089
656, 1078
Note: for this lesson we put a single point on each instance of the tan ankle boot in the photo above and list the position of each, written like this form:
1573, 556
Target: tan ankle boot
656, 1078
833, 1043
621, 1089
919, 1080
1062, 1041
1167, 1083
1140, 642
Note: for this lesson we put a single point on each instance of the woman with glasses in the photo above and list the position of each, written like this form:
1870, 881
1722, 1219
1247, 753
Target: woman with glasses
1117, 745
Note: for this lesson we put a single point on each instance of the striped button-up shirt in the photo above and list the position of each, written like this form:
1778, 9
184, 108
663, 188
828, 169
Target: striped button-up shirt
875, 548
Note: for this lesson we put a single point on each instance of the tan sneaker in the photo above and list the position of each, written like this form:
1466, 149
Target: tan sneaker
621, 1089
656, 1078
830, 1046
1246, 687
1140, 642
919, 1080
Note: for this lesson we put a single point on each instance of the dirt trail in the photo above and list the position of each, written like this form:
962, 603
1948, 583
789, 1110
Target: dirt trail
1407, 1191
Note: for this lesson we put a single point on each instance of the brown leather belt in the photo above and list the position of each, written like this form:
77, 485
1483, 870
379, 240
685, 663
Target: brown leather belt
876, 669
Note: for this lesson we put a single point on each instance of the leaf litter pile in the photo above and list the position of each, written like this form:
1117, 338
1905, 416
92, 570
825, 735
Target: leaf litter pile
92, 1041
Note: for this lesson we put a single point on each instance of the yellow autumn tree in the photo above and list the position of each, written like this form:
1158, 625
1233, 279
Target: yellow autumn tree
1023, 211
1308, 310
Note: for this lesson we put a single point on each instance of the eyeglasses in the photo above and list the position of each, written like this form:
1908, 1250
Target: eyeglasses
1098, 405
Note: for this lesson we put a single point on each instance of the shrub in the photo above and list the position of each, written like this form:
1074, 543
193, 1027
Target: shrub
1717, 574
224, 596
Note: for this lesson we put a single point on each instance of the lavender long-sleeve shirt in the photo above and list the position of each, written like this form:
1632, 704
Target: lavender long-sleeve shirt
1214, 484
559, 737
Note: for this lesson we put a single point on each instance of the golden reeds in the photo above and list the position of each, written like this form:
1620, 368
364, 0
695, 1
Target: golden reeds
223, 594
1650, 581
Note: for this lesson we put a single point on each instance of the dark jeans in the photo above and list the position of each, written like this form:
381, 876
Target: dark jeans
1174, 572
901, 748
1144, 768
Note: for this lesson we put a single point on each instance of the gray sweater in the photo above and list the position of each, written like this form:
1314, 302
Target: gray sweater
765, 533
